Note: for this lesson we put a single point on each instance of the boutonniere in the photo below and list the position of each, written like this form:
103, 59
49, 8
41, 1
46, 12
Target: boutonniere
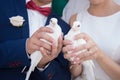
17, 21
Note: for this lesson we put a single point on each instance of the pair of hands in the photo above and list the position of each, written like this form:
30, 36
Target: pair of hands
49, 52
91, 50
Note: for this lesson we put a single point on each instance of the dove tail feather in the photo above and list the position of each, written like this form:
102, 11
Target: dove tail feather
28, 74
88, 70
35, 58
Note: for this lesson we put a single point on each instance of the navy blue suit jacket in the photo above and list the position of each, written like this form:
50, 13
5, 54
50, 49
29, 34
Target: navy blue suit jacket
12, 46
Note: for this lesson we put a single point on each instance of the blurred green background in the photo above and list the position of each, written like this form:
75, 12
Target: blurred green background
58, 5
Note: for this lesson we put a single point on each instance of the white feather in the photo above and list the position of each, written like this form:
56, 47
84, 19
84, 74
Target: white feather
88, 65
37, 55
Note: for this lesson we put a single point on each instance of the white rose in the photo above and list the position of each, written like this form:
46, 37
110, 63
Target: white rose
17, 21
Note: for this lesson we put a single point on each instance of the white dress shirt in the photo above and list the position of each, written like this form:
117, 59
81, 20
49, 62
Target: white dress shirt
36, 20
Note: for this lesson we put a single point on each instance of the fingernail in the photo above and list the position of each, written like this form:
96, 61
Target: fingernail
41, 48
72, 47
54, 43
77, 58
74, 62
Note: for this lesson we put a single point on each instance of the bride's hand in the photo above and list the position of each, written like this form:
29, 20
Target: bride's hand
91, 49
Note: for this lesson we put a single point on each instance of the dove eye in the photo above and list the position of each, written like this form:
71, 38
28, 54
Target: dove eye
50, 20
78, 26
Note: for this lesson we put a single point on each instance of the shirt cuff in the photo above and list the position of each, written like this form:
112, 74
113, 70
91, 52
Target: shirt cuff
42, 69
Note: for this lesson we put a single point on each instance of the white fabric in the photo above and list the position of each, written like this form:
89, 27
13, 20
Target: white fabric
117, 1
36, 20
76, 6
72, 7
105, 32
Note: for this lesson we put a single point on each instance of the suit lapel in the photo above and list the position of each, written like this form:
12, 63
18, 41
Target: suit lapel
52, 14
21, 9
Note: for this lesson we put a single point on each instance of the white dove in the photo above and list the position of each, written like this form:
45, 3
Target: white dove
88, 65
37, 55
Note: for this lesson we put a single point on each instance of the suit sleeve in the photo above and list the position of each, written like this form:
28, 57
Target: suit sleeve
13, 53
57, 69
